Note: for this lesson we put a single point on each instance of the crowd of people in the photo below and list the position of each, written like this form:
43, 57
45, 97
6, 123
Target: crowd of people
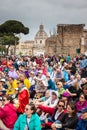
43, 93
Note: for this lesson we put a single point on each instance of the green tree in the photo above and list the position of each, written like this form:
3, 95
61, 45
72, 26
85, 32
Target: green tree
8, 31
13, 27
7, 41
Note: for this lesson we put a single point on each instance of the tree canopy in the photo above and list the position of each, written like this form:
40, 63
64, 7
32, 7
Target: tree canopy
13, 27
8, 31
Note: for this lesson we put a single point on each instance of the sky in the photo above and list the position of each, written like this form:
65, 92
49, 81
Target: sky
50, 13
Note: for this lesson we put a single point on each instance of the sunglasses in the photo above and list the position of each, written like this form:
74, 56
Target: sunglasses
3, 99
26, 109
61, 106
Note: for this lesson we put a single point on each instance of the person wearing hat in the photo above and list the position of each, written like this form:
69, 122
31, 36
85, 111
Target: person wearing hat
4, 86
66, 97
82, 124
53, 100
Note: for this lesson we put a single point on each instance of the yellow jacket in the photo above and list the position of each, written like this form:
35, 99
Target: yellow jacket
11, 88
27, 83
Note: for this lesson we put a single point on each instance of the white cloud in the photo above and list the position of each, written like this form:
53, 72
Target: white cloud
49, 12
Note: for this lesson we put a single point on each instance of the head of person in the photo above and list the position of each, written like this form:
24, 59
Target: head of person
48, 77
59, 84
66, 96
3, 81
85, 89
82, 98
83, 113
54, 95
32, 74
20, 84
84, 81
7, 99
47, 94
76, 85
72, 77
71, 109
63, 81
22, 77
70, 64
40, 72
11, 68
58, 71
30, 109
11, 80
61, 105
78, 77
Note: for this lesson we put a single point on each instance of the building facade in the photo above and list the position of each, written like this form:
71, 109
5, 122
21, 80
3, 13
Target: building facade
31, 47
67, 40
39, 41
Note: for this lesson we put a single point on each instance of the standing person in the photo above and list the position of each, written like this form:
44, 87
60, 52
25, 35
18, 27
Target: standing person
29, 120
68, 58
8, 113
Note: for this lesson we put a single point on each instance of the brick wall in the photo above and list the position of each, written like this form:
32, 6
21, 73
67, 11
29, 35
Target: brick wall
66, 41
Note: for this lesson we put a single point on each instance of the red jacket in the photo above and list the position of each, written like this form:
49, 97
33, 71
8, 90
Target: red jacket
23, 98
52, 112
8, 114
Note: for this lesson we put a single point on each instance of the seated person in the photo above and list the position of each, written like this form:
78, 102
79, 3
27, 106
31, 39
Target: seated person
41, 89
70, 121
74, 91
53, 100
29, 120
56, 113
44, 98
61, 90
82, 103
82, 124
8, 113
3, 86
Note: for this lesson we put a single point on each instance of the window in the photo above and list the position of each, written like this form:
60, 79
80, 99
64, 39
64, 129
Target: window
40, 41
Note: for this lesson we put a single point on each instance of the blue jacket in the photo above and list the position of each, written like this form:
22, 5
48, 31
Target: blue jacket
51, 85
82, 125
34, 123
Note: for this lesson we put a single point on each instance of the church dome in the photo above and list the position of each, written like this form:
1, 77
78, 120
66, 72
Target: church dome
41, 34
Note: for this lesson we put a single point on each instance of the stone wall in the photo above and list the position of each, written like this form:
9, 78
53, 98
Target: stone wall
67, 40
